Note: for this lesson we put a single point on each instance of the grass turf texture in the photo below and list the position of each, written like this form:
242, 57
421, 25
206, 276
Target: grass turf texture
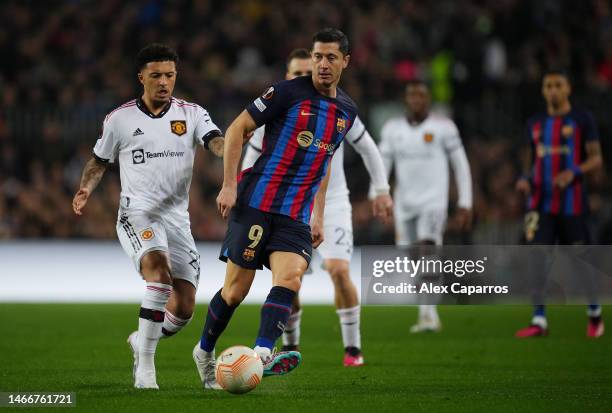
475, 364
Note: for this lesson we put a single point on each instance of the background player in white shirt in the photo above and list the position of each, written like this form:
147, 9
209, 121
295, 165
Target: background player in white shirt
337, 247
421, 145
154, 138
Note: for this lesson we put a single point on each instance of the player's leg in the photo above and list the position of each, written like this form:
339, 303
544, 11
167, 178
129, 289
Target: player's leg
348, 310
236, 286
429, 226
291, 335
287, 271
146, 243
185, 263
575, 231
336, 251
244, 251
540, 229
179, 309
155, 269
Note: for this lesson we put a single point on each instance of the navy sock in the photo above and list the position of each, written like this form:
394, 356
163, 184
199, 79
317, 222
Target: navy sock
274, 316
539, 311
217, 318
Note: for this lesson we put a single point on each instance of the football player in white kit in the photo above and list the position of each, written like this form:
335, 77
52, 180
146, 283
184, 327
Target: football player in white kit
421, 145
337, 247
154, 139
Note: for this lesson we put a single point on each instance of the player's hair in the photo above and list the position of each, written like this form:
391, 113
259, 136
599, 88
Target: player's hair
155, 52
416, 82
331, 35
558, 71
300, 53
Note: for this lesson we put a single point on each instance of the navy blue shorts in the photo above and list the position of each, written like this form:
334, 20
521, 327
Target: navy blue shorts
252, 235
548, 229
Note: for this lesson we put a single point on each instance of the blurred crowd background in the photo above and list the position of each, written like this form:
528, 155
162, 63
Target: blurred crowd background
65, 64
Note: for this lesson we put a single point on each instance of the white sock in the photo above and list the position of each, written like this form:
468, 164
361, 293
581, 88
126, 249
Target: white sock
172, 324
291, 335
539, 320
150, 324
595, 312
264, 353
429, 313
349, 324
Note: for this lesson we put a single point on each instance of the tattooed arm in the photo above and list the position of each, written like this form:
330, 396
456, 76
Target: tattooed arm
92, 174
216, 146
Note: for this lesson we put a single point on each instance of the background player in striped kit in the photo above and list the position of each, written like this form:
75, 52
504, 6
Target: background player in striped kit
154, 138
421, 145
306, 119
337, 248
563, 147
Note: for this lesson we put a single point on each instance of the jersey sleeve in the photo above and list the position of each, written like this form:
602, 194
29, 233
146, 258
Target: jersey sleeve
386, 153
452, 140
589, 126
365, 146
205, 128
254, 148
106, 148
386, 145
273, 102
356, 132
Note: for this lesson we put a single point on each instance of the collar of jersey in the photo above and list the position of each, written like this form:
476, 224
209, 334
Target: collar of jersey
141, 105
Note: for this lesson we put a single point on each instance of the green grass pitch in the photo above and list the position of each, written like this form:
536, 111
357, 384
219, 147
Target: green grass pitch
475, 364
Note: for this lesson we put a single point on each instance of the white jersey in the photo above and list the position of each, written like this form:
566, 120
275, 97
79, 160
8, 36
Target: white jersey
337, 189
421, 154
155, 154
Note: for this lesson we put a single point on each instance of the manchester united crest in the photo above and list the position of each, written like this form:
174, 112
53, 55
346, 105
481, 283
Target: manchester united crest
147, 234
178, 127
341, 125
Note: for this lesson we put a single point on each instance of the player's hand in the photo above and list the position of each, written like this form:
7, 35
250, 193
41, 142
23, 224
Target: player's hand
80, 200
316, 231
382, 207
463, 217
523, 186
226, 200
564, 179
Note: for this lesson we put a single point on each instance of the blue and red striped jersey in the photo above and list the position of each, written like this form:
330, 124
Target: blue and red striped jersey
303, 130
558, 143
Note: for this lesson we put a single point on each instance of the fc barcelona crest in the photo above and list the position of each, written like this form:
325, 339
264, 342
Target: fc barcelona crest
341, 125
567, 131
178, 127
248, 255
428, 137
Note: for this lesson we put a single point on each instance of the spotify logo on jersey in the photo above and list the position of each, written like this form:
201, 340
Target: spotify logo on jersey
305, 138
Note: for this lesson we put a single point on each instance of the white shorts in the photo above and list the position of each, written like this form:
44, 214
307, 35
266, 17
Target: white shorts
141, 233
428, 225
338, 232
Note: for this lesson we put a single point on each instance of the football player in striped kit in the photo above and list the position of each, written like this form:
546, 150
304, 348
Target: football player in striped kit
275, 208
337, 248
563, 147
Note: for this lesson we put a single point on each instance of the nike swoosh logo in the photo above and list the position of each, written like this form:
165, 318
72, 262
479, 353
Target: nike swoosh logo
307, 113
305, 253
